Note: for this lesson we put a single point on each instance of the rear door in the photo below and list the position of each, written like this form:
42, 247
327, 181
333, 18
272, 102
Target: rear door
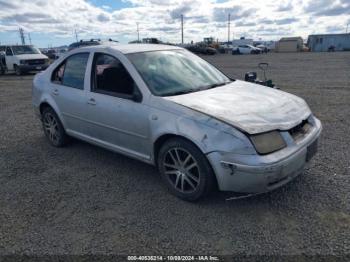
116, 115
67, 89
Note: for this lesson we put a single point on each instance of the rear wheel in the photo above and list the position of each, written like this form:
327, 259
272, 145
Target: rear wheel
185, 169
53, 128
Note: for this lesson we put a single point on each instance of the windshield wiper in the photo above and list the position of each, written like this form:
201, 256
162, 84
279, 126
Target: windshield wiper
182, 92
215, 85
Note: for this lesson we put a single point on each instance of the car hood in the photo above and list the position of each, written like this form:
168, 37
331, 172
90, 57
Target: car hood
31, 56
250, 107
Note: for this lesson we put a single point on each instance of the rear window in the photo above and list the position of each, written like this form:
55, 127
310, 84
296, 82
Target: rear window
71, 72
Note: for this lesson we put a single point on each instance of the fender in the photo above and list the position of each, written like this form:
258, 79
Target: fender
45, 98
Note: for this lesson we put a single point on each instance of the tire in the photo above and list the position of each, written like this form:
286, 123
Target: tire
192, 177
53, 128
18, 70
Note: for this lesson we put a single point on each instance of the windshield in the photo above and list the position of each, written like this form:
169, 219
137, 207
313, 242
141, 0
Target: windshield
24, 50
176, 72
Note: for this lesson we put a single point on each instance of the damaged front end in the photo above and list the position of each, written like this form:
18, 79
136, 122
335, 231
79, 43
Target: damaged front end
262, 172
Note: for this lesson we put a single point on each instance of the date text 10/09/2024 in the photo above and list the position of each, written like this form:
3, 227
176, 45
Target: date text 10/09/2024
173, 258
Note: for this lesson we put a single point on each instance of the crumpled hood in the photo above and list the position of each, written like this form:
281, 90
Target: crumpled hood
249, 107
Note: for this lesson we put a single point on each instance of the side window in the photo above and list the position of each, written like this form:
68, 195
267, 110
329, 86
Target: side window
72, 71
111, 77
8, 51
57, 75
2, 48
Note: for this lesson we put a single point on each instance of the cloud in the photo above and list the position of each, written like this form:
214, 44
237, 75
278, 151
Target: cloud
181, 10
336, 10
220, 14
6, 5
241, 23
285, 21
103, 17
159, 18
285, 7
328, 7
32, 17
335, 29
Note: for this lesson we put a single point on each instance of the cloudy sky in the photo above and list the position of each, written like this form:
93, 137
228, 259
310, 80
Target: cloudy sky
54, 22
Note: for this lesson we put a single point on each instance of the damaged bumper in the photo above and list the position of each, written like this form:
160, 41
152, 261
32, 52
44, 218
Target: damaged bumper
263, 173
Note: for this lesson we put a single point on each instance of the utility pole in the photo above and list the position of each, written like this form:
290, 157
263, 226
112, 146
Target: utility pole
138, 32
76, 34
228, 25
30, 39
21, 34
347, 26
182, 29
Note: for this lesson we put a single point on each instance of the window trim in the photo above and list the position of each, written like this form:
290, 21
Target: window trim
93, 83
64, 62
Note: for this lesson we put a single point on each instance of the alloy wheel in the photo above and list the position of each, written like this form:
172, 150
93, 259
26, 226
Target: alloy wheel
51, 128
182, 170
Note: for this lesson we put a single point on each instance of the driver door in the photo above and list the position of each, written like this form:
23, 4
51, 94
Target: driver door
116, 116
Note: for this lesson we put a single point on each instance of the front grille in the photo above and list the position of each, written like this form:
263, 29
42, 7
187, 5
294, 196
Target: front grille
36, 61
299, 131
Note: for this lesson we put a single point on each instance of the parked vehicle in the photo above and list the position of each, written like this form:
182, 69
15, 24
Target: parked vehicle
246, 49
200, 128
204, 50
51, 54
263, 48
24, 58
61, 52
3, 68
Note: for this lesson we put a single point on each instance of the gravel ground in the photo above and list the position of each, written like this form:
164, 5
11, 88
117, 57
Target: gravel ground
85, 200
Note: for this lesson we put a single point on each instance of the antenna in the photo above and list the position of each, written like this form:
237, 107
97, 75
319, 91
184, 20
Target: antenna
21, 34
182, 29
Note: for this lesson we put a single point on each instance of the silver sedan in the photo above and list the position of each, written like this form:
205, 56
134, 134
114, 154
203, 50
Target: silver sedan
167, 107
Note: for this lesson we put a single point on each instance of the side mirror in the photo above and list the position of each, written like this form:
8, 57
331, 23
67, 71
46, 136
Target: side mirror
136, 96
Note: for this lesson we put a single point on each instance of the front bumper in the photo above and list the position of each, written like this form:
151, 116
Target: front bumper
27, 68
263, 173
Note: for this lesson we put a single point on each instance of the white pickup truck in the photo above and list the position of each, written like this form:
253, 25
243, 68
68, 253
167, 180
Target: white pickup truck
23, 58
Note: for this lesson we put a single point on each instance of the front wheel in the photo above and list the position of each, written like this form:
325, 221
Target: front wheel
185, 169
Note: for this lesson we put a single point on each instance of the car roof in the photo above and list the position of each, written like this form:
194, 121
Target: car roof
133, 48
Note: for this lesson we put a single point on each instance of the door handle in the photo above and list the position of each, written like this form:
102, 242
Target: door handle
55, 92
91, 101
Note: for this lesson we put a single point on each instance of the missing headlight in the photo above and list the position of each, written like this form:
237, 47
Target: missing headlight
269, 142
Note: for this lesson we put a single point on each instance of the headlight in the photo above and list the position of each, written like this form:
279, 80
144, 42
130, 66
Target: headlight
268, 142
22, 62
